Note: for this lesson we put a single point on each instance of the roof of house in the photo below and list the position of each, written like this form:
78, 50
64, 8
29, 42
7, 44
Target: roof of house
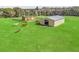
56, 17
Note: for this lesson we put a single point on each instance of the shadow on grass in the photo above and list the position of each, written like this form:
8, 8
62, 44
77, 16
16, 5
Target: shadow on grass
17, 20
37, 24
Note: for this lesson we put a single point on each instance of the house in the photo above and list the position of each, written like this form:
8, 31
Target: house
52, 21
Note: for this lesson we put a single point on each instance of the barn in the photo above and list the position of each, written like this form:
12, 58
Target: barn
52, 21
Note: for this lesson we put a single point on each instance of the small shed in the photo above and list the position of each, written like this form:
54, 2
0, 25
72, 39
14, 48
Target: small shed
27, 18
52, 21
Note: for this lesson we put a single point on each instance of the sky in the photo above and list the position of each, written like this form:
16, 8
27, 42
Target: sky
33, 3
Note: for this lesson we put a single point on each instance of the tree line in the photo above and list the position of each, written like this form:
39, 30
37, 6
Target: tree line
45, 11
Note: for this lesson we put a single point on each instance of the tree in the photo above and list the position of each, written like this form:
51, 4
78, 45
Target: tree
8, 12
18, 11
1, 12
36, 10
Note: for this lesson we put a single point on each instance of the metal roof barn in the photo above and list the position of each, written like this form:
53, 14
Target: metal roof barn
56, 17
52, 21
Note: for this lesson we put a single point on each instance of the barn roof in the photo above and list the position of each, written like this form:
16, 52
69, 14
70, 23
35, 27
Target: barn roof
56, 17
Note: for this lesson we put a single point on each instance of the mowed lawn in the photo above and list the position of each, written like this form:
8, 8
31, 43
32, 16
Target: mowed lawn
37, 38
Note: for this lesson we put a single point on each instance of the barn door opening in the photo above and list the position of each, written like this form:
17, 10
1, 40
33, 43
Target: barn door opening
46, 22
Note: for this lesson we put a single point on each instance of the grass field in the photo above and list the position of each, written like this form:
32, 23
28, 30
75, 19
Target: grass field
39, 38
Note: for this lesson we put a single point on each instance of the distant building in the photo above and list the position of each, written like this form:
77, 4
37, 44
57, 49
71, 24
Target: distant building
27, 18
52, 21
